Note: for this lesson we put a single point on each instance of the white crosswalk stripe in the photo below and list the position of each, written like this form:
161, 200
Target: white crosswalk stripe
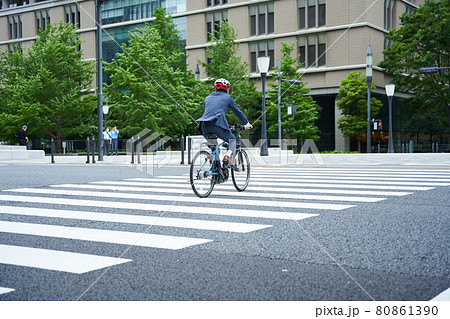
4, 290
55, 260
274, 194
134, 219
100, 235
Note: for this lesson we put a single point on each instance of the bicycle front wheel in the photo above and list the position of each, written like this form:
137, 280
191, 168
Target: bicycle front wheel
241, 172
202, 182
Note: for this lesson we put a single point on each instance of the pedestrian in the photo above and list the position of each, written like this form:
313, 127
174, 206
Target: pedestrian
114, 143
106, 141
22, 135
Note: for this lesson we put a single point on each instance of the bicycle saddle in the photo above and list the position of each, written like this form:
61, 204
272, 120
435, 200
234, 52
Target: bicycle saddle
211, 136
211, 139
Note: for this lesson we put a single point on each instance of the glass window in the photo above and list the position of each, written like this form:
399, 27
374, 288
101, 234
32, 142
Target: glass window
115, 11
73, 14
262, 19
261, 48
388, 8
311, 13
312, 50
322, 49
15, 26
42, 19
210, 3
213, 23
322, 13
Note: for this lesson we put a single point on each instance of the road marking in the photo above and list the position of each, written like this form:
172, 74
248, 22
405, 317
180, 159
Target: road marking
292, 184
134, 219
55, 260
159, 208
337, 180
353, 177
259, 203
4, 290
225, 193
100, 235
357, 174
354, 170
443, 296
263, 191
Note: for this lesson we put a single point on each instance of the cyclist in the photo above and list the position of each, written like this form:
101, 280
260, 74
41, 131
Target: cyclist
214, 121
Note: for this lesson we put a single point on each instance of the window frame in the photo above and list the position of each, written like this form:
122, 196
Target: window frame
261, 48
262, 16
313, 44
212, 22
311, 13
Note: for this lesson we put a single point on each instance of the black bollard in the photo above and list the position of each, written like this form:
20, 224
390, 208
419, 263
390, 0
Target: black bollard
182, 149
52, 149
93, 150
189, 149
138, 146
88, 150
132, 150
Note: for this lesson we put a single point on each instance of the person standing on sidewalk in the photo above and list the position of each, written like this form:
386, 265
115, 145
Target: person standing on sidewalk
114, 136
106, 141
22, 135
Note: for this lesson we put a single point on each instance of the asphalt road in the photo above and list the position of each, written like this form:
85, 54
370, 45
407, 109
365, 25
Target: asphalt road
392, 249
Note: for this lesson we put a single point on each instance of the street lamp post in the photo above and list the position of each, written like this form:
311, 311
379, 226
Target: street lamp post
98, 21
263, 66
369, 84
390, 88
293, 82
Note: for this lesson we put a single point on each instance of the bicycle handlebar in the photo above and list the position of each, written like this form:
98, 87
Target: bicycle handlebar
237, 127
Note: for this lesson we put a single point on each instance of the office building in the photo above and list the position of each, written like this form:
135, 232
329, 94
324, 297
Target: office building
332, 37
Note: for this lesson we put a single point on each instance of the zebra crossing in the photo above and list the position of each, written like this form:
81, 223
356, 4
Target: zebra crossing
289, 194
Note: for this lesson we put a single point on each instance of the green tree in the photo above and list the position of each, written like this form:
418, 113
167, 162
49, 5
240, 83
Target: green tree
44, 88
353, 104
225, 62
301, 125
148, 88
422, 41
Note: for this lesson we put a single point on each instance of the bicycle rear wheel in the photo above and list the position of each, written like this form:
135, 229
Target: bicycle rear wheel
202, 182
241, 172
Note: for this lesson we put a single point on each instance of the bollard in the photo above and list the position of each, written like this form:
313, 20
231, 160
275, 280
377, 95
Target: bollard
189, 149
93, 150
378, 148
182, 149
88, 150
132, 150
52, 149
138, 150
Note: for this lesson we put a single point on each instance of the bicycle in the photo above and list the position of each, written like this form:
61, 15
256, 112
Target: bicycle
207, 169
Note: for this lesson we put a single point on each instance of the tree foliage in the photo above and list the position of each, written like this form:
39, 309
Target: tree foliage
45, 87
353, 104
302, 124
422, 41
149, 85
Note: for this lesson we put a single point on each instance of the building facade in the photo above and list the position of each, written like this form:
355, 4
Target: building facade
332, 37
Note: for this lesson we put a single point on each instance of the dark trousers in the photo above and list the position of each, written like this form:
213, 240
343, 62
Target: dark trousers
226, 135
106, 145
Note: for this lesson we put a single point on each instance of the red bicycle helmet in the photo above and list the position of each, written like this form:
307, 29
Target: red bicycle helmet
222, 84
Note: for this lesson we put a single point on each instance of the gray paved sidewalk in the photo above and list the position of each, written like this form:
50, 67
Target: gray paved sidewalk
275, 158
